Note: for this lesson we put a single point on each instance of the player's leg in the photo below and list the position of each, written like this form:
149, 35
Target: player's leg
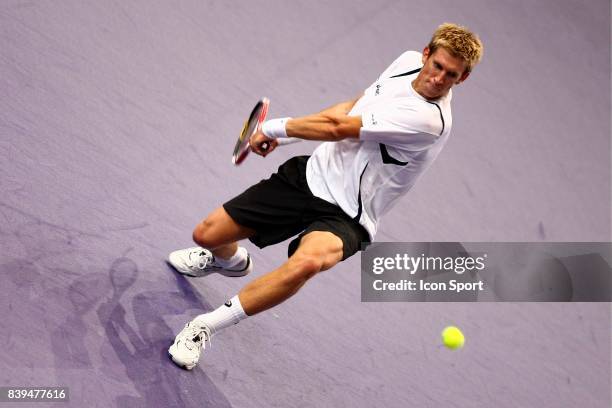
219, 233
218, 250
317, 251
267, 213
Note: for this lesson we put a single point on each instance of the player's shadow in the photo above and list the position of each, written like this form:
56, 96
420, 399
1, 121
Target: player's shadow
143, 349
68, 340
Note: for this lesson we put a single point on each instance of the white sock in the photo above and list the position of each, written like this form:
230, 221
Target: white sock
237, 260
228, 314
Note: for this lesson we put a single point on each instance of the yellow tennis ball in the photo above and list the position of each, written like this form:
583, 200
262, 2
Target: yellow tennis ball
453, 338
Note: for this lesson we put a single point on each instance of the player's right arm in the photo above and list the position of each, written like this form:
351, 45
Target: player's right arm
342, 108
332, 124
324, 126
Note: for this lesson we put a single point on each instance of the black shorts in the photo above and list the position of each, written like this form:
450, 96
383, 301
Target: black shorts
283, 206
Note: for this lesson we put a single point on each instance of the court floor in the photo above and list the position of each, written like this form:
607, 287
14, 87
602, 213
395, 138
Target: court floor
117, 121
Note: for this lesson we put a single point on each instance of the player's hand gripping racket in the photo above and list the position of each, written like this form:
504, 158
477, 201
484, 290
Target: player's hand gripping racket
251, 126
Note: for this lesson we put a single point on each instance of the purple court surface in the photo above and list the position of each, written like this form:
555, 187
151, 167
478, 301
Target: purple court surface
117, 121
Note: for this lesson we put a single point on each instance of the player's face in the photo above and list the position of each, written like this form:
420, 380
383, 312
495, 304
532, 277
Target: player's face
441, 71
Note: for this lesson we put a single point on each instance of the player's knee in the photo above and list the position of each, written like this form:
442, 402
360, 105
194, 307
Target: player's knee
304, 267
204, 236
310, 265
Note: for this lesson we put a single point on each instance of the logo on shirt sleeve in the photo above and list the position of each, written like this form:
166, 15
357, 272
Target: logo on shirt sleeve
373, 120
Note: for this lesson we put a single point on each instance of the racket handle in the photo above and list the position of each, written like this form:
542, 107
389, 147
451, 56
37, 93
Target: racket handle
265, 145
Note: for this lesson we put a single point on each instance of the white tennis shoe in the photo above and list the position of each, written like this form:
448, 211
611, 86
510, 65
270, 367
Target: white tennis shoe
189, 343
198, 261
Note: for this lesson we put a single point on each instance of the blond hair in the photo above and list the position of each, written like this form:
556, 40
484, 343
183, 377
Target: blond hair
459, 41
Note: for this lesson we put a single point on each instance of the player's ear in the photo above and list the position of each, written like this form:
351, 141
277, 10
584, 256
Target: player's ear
426, 52
463, 77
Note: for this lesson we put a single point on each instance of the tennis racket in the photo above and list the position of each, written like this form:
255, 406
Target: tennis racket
251, 126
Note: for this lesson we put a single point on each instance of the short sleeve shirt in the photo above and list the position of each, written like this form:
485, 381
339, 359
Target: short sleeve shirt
401, 135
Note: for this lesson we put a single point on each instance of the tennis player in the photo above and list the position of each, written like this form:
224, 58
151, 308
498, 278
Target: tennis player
374, 149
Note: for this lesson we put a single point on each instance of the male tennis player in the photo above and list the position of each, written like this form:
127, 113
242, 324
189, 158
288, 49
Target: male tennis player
374, 149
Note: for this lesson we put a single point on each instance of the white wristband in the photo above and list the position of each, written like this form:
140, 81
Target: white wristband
275, 128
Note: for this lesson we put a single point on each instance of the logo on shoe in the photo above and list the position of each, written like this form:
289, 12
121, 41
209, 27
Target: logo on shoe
228, 303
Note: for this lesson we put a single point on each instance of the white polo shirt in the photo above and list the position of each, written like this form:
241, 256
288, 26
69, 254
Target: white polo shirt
401, 135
